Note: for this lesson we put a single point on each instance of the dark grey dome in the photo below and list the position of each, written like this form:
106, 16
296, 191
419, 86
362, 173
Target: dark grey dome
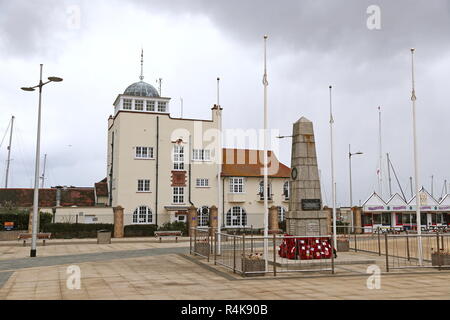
142, 89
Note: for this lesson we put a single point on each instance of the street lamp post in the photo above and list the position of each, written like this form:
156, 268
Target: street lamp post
350, 155
36, 172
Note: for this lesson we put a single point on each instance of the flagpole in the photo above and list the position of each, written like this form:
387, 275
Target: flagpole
333, 185
219, 172
266, 178
416, 165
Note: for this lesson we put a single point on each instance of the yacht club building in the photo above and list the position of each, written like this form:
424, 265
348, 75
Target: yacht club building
401, 213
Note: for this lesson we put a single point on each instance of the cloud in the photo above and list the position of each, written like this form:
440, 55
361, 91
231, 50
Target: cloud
312, 43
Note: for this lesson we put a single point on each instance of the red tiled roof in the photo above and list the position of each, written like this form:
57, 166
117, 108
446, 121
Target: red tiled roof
249, 163
101, 188
23, 198
80, 197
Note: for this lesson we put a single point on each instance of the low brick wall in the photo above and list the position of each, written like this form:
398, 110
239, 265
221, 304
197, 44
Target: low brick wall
10, 235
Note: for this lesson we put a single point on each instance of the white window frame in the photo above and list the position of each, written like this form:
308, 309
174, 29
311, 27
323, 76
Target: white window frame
178, 157
281, 213
143, 215
201, 155
178, 195
150, 105
203, 214
202, 183
161, 104
237, 185
261, 190
235, 217
143, 186
141, 105
288, 189
144, 153
125, 104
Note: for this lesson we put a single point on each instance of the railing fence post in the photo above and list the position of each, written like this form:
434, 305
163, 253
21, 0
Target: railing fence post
332, 255
438, 252
209, 245
190, 243
243, 260
387, 252
234, 254
274, 255
379, 243
215, 246
356, 244
407, 246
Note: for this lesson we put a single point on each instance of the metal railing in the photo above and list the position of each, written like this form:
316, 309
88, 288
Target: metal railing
400, 250
201, 242
244, 254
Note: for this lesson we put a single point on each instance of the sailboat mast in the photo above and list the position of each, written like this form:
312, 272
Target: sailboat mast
389, 174
380, 171
8, 162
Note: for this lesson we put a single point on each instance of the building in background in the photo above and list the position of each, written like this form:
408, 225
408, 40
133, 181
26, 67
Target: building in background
159, 166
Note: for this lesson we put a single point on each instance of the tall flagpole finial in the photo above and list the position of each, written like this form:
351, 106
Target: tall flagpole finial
142, 65
218, 92
331, 105
413, 95
265, 81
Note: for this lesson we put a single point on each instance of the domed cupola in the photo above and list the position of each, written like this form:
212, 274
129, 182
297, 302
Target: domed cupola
142, 89
142, 97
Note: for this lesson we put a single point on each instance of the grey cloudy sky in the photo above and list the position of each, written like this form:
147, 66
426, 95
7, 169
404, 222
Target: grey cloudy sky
312, 44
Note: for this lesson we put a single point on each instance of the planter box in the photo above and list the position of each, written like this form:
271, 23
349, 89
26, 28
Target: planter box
249, 265
343, 245
440, 260
103, 237
203, 249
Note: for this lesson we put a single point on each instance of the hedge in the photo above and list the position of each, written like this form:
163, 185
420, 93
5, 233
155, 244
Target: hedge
140, 230
76, 230
21, 218
149, 230
175, 226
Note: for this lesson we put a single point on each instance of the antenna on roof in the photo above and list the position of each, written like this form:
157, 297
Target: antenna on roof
142, 65
159, 81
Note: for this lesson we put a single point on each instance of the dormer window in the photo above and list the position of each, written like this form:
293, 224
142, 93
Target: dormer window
127, 103
150, 106
162, 106
139, 105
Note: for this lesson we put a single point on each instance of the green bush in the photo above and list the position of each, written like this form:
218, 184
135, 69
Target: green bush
175, 226
76, 230
144, 230
21, 218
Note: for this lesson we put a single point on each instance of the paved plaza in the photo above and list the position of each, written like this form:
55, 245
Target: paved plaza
147, 269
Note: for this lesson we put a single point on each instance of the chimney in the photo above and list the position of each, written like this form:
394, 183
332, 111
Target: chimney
58, 196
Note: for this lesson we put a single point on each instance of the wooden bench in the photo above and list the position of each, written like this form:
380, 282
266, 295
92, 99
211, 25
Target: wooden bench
40, 236
166, 234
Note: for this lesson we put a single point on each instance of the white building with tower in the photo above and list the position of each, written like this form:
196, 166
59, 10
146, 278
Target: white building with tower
159, 166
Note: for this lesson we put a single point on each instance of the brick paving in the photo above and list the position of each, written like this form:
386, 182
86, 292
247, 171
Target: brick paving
162, 272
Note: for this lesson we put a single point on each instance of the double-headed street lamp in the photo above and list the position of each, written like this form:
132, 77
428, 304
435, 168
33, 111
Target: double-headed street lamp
36, 172
350, 155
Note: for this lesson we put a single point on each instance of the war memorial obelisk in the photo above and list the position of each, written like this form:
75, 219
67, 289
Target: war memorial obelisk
305, 216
